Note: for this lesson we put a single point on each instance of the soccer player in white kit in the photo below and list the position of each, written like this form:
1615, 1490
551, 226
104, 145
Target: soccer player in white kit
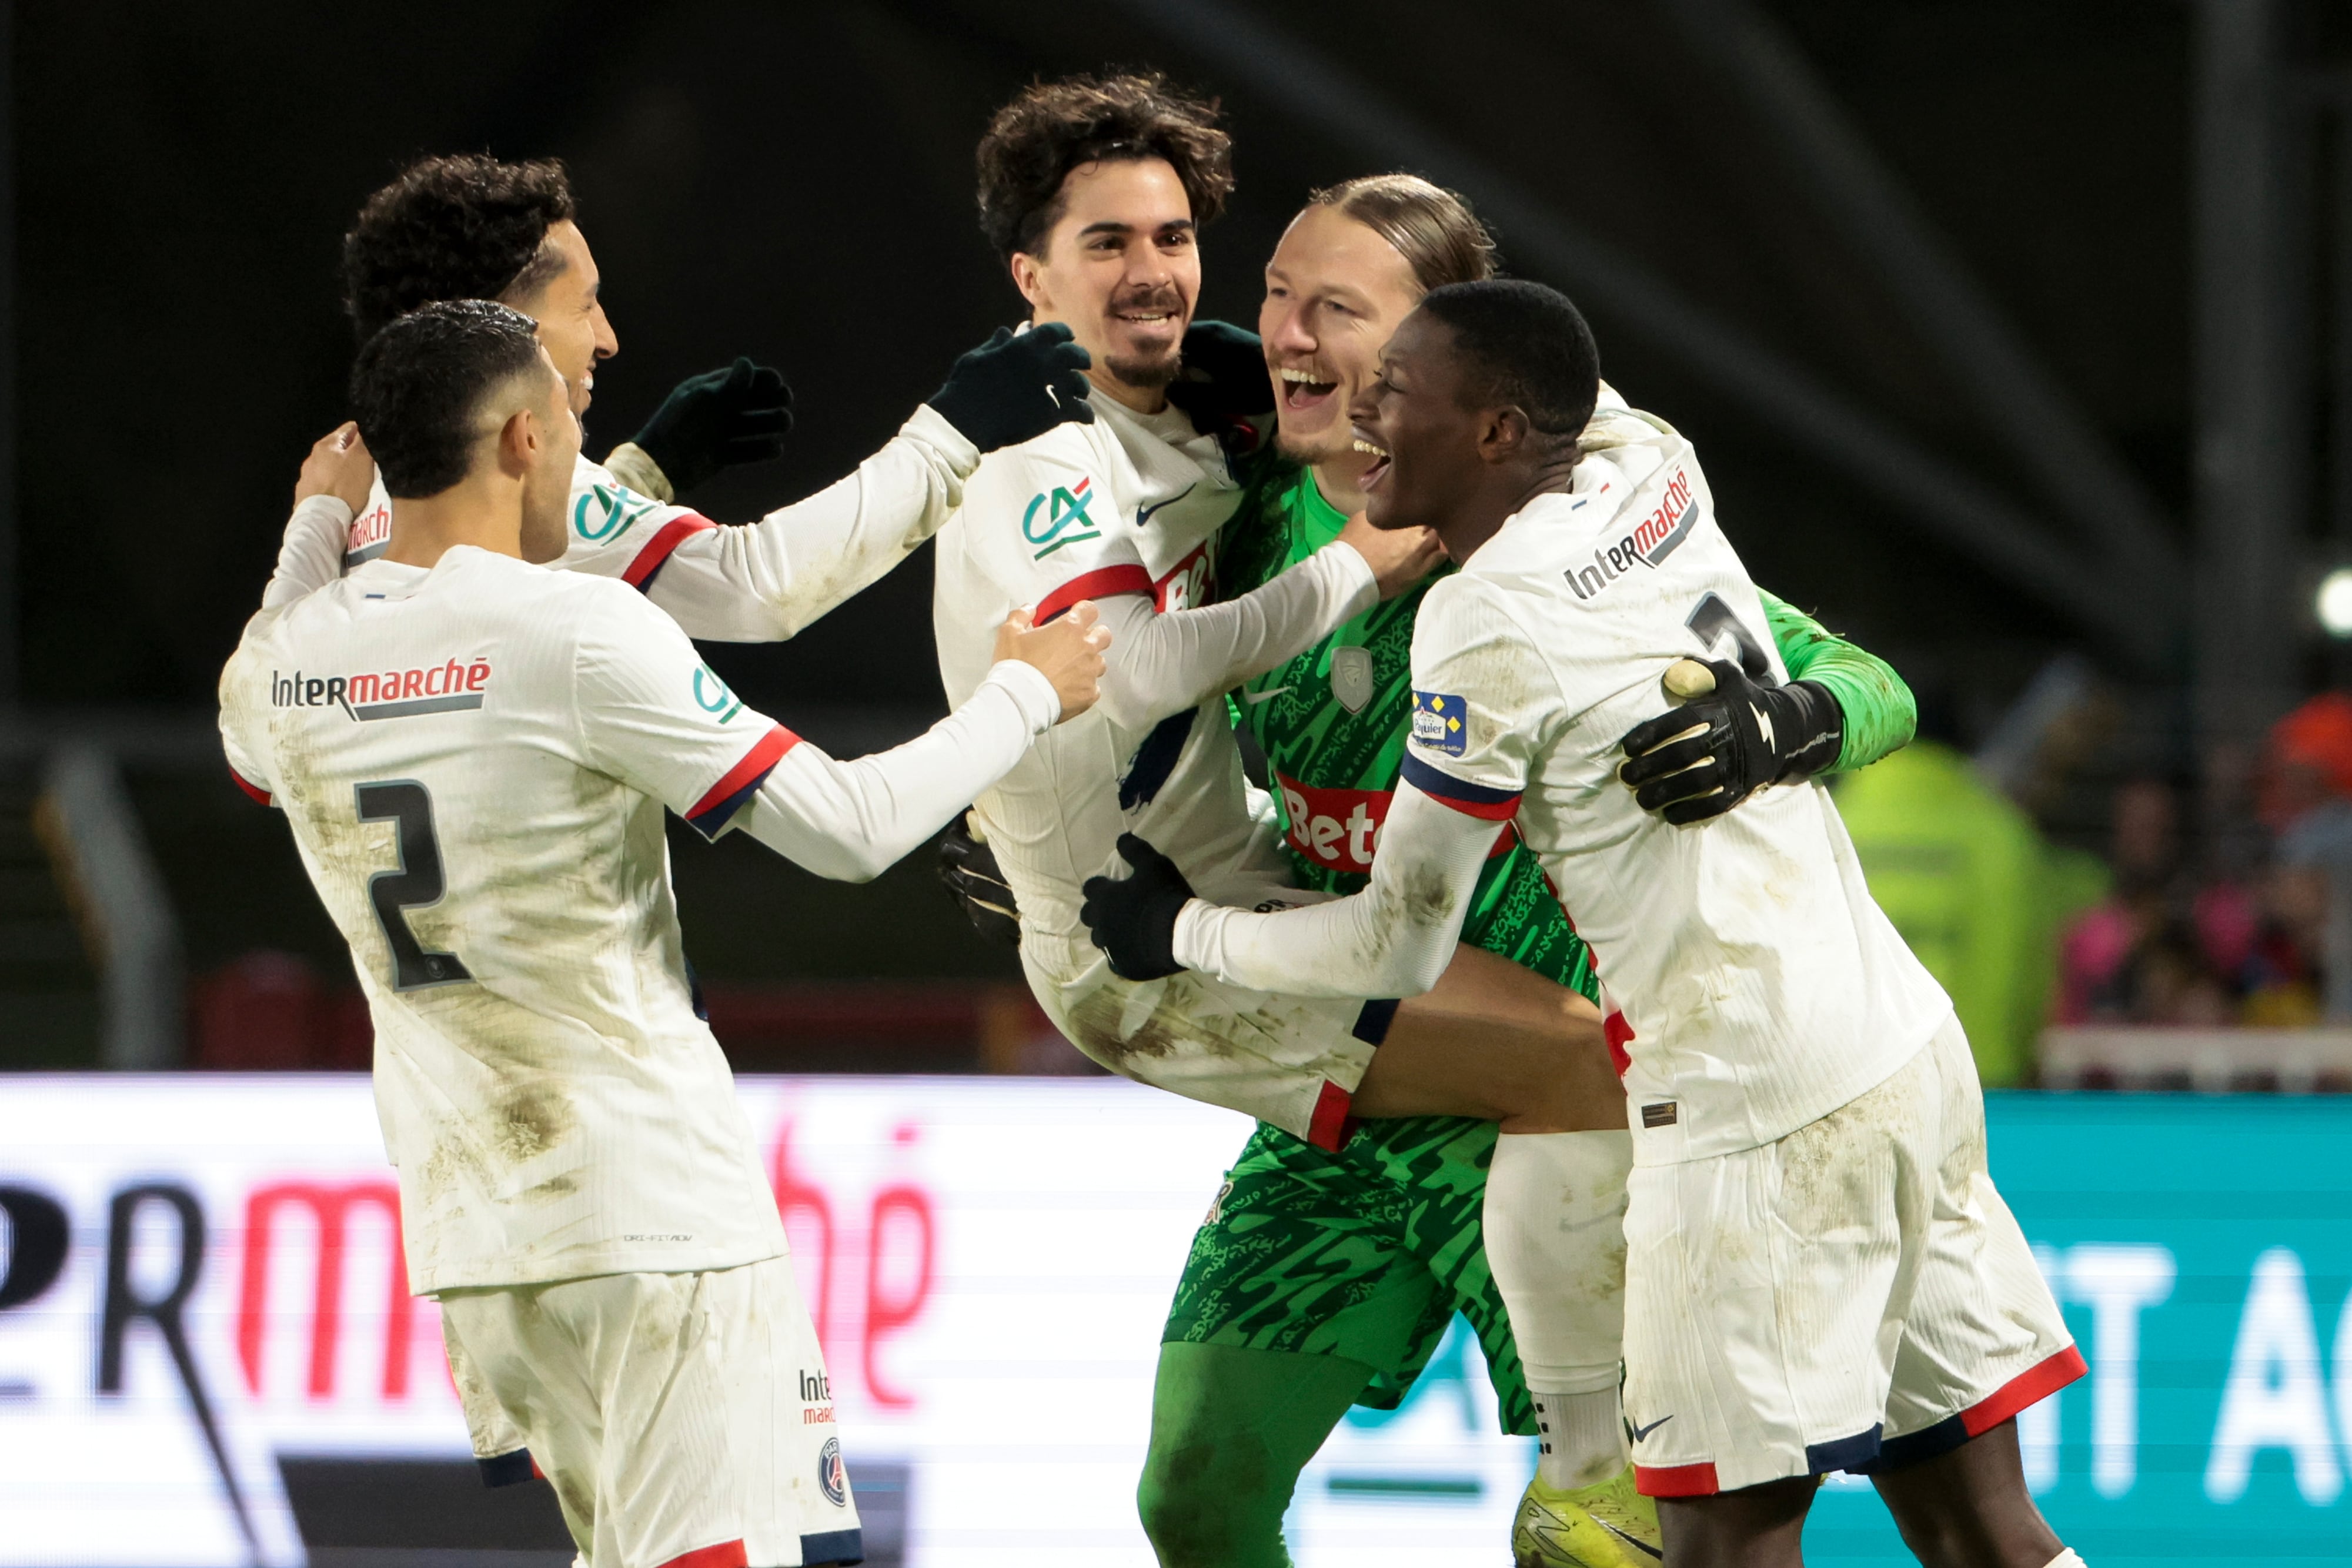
1820, 1274
475, 754
474, 228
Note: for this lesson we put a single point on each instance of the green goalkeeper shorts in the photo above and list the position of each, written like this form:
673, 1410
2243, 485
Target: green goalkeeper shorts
1366, 1253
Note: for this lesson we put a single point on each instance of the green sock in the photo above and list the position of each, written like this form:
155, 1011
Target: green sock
1231, 1429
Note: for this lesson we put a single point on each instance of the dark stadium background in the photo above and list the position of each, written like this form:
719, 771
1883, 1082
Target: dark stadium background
793, 183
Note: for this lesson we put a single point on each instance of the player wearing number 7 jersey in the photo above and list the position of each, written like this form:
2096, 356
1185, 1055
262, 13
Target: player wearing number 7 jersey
474, 754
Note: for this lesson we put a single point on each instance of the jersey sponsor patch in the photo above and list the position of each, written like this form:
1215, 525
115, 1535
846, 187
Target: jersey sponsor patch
711, 695
1058, 517
1335, 828
1437, 722
451, 687
1657, 535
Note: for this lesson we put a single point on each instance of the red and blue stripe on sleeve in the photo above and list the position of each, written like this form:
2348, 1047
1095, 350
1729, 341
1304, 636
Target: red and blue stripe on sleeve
657, 553
260, 797
710, 815
1471, 800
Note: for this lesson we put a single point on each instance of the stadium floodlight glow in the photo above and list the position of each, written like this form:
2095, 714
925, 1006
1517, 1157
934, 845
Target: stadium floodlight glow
2334, 602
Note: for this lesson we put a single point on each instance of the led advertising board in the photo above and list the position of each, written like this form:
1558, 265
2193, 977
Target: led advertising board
207, 1355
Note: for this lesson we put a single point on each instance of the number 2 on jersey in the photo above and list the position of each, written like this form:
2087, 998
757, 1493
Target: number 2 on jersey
413, 883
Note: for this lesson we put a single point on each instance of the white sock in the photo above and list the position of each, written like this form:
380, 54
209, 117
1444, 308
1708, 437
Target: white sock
2067, 1559
1555, 1234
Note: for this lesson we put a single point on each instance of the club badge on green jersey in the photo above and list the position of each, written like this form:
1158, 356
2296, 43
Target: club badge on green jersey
1437, 723
1352, 675
1058, 516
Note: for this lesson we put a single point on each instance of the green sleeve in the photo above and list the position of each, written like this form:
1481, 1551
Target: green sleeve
1880, 714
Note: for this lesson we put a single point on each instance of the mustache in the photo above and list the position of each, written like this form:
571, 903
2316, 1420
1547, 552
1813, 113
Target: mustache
1150, 297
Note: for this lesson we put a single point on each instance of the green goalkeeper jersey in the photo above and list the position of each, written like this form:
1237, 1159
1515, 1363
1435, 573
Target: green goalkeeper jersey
1332, 723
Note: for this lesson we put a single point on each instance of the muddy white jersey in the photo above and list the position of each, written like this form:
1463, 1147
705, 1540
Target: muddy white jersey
1124, 511
1751, 980
753, 583
474, 760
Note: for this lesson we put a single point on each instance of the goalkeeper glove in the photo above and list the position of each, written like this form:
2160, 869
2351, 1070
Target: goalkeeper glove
1134, 919
1734, 736
1223, 383
717, 419
1016, 386
967, 868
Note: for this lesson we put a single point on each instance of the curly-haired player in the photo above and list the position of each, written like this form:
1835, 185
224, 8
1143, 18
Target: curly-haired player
1125, 511
471, 226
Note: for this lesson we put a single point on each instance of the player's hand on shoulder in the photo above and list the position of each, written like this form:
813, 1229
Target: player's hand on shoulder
1067, 650
1398, 558
967, 868
339, 465
1729, 736
1133, 919
1224, 383
1016, 387
739, 413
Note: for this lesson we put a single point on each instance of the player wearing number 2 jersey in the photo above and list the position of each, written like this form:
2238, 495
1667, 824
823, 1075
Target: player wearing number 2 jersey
475, 754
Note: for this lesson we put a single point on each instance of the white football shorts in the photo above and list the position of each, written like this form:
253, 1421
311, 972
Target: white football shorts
499, 1448
685, 1420
1854, 1296
1293, 1062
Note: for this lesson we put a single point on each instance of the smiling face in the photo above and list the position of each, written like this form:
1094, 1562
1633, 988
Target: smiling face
571, 314
1334, 292
1421, 429
1120, 268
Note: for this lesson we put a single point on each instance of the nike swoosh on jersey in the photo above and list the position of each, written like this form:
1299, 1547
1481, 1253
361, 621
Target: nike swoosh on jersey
1143, 514
1254, 698
1641, 1432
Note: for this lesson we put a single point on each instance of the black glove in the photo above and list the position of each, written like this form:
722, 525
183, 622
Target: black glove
1134, 921
1224, 383
1011, 388
1701, 760
967, 869
717, 419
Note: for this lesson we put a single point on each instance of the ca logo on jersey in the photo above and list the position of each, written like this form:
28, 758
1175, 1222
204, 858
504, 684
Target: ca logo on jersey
711, 695
1058, 517
608, 511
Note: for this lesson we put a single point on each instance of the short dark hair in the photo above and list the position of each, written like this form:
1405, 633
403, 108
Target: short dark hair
1527, 345
419, 385
1036, 141
1432, 227
463, 227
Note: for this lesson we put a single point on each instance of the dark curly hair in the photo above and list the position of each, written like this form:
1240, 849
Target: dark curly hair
418, 386
466, 227
1036, 141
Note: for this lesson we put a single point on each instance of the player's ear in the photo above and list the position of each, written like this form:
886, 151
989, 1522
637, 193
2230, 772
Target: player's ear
519, 441
1503, 434
1027, 271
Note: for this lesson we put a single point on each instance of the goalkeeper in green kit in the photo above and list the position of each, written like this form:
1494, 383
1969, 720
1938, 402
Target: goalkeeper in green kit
1322, 1279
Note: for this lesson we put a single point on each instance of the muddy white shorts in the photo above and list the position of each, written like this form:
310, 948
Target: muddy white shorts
499, 1448
1293, 1062
685, 1420
1854, 1296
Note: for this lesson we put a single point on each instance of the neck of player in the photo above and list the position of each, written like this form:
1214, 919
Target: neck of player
1142, 400
484, 509
1341, 480
1507, 489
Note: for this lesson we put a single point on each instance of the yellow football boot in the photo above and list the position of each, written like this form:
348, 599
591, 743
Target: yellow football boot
1606, 1526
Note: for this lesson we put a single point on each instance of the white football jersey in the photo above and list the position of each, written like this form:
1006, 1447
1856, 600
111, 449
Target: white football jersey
1747, 974
1128, 505
474, 760
752, 582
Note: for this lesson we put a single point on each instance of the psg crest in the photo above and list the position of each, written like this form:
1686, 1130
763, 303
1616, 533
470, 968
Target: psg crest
1351, 676
832, 1475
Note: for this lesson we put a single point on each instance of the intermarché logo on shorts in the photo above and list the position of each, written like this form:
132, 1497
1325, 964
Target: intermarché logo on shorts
447, 687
